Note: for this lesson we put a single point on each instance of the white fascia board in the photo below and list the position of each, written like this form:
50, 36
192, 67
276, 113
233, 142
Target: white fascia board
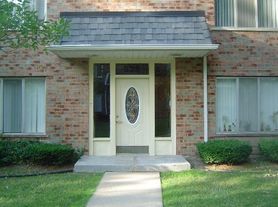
88, 47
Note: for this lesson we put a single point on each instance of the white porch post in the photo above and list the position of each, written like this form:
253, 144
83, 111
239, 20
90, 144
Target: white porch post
205, 82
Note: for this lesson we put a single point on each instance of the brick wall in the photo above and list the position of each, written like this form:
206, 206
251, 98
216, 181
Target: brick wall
56, 6
189, 107
66, 91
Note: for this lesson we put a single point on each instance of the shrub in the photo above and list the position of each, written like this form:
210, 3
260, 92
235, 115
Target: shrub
224, 151
5, 158
269, 149
51, 154
36, 153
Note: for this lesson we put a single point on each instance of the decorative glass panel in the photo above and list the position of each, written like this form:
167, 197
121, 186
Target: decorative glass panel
248, 105
162, 100
12, 106
132, 69
101, 100
226, 105
269, 104
132, 105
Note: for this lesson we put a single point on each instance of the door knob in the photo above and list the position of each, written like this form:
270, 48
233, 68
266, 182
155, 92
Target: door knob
119, 122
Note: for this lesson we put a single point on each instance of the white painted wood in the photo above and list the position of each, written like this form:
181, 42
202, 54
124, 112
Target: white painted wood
163, 147
112, 146
205, 82
152, 109
91, 107
129, 134
103, 147
173, 107
244, 29
132, 51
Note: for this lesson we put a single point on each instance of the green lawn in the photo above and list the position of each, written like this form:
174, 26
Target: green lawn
67, 190
199, 188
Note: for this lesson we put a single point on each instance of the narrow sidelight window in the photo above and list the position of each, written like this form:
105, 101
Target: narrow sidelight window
162, 100
101, 100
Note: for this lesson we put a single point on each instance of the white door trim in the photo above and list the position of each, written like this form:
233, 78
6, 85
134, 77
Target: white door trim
107, 146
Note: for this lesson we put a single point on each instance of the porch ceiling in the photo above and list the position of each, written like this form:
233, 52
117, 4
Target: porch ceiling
131, 51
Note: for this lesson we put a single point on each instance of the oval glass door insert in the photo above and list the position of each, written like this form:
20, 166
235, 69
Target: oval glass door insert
132, 105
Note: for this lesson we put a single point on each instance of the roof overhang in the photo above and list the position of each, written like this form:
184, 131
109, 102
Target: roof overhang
132, 51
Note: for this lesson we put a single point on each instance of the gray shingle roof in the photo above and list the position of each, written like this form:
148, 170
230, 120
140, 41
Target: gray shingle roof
100, 28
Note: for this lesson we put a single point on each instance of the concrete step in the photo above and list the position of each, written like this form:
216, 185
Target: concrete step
132, 163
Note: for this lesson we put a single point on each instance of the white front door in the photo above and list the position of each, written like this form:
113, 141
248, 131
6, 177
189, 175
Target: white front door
132, 115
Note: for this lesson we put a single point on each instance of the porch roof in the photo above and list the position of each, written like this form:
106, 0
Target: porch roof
135, 34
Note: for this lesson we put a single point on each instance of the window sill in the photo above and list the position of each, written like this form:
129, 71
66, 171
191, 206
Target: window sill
272, 134
244, 29
22, 135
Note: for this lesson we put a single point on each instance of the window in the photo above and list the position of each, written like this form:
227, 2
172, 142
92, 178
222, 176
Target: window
246, 105
23, 105
246, 13
132, 69
40, 7
162, 100
101, 100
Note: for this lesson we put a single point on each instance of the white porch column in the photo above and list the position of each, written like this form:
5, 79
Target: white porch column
205, 82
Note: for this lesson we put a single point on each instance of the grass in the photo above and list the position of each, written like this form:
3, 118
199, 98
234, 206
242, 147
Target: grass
201, 188
69, 190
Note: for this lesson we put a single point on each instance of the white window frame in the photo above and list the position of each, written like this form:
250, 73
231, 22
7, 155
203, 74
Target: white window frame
237, 132
235, 27
22, 105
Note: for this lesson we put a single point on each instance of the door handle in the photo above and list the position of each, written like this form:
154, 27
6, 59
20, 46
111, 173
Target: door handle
119, 122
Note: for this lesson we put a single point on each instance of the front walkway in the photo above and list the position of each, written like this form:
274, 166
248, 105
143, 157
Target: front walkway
126, 189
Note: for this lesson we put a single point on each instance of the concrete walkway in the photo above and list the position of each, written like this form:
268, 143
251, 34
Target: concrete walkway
132, 163
128, 189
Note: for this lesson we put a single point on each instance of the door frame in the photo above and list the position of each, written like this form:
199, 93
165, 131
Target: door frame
107, 145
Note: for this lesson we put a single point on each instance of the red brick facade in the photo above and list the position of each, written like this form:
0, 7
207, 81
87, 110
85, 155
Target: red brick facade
250, 53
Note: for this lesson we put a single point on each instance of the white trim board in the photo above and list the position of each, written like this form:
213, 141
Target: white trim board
132, 51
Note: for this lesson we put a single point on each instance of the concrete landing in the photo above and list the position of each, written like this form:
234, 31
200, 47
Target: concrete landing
132, 163
134, 189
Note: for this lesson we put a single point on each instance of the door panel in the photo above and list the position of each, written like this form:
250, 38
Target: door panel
132, 121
